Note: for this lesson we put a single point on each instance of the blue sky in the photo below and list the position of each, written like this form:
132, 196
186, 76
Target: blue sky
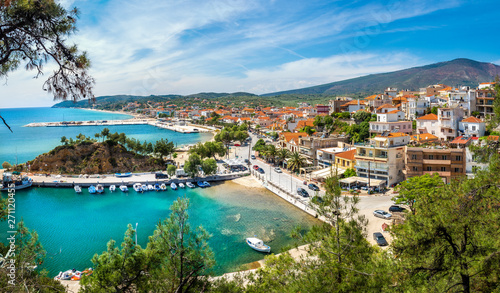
184, 47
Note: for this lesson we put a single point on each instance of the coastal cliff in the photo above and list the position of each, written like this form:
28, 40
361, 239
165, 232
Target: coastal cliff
94, 158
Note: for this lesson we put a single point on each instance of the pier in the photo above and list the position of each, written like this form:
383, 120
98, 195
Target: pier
185, 128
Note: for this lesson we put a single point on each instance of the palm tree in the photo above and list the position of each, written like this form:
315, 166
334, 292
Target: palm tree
271, 152
296, 161
282, 155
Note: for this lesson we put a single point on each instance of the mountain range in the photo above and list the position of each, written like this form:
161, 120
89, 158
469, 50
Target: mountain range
456, 72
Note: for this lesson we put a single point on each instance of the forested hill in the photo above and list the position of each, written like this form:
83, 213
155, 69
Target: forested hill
452, 73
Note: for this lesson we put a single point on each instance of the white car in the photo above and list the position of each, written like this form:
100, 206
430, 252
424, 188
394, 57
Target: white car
278, 170
382, 214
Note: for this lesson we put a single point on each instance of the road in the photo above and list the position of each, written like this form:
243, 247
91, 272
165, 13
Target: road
366, 206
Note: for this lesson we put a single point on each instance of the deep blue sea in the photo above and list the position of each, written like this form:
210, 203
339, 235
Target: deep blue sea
25, 143
72, 228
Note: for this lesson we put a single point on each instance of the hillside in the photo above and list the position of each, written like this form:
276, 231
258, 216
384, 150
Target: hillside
93, 158
453, 73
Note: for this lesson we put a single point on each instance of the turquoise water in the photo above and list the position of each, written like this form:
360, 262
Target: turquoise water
26, 143
73, 227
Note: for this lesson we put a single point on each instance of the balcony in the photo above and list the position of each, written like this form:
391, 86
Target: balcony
436, 162
440, 173
372, 166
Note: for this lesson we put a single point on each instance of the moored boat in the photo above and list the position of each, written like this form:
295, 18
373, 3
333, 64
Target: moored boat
181, 185
121, 175
151, 187
144, 187
157, 187
190, 185
99, 188
112, 188
206, 184
258, 244
163, 187
173, 186
138, 187
92, 189
69, 275
124, 188
200, 184
78, 189
14, 181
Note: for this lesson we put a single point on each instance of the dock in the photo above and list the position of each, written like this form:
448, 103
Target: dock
185, 128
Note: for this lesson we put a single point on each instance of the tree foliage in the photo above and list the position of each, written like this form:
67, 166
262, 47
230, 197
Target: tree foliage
191, 166
209, 166
34, 32
417, 187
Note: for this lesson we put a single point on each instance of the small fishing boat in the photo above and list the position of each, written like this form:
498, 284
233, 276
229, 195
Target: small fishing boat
144, 187
200, 184
151, 187
163, 187
92, 189
190, 185
173, 186
121, 175
78, 189
258, 244
206, 184
181, 185
99, 188
112, 188
14, 181
157, 187
138, 187
124, 188
68, 275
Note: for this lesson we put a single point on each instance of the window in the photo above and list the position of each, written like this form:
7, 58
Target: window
473, 128
415, 168
458, 158
413, 157
449, 130
431, 157
445, 157
433, 132
443, 169
433, 123
429, 168
457, 170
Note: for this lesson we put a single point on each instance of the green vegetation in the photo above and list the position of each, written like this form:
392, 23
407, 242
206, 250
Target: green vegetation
349, 172
209, 149
296, 162
230, 134
192, 164
171, 170
6, 165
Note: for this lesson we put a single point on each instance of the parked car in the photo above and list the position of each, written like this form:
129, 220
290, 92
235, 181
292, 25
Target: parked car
261, 171
395, 208
252, 157
302, 192
377, 236
382, 214
255, 167
160, 175
246, 161
313, 186
277, 169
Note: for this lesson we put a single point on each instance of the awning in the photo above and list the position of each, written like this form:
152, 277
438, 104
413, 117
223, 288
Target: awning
355, 179
327, 172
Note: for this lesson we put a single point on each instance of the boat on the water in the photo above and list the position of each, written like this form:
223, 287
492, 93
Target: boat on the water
173, 186
157, 187
190, 185
99, 188
69, 275
144, 187
181, 185
112, 188
200, 184
206, 184
163, 187
151, 187
14, 181
258, 244
124, 188
121, 175
78, 189
138, 187
92, 189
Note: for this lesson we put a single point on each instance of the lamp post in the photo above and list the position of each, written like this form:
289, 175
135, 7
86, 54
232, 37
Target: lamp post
136, 233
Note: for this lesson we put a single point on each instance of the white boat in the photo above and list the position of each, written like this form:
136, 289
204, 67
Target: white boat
112, 188
124, 188
144, 187
99, 188
258, 244
190, 185
181, 185
14, 181
121, 175
78, 189
68, 275
92, 189
138, 187
173, 186
163, 187
151, 187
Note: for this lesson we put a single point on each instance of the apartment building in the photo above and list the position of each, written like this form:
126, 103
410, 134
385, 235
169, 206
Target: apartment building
335, 105
308, 146
447, 163
415, 107
391, 121
484, 102
383, 158
444, 125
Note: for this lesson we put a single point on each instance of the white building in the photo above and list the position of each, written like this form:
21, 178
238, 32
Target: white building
472, 126
416, 107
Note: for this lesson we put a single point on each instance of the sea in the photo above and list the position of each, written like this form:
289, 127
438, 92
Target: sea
74, 227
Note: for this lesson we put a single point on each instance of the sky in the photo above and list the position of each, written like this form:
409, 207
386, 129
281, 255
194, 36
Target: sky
153, 47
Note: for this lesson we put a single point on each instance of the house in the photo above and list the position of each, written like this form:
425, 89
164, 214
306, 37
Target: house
346, 159
391, 121
290, 140
322, 109
447, 163
335, 105
424, 138
326, 157
303, 123
461, 142
472, 126
263, 121
308, 146
444, 125
485, 98
385, 108
353, 106
415, 107
382, 158
375, 101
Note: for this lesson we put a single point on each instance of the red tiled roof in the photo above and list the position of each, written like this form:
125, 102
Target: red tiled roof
349, 155
428, 117
472, 119
461, 140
